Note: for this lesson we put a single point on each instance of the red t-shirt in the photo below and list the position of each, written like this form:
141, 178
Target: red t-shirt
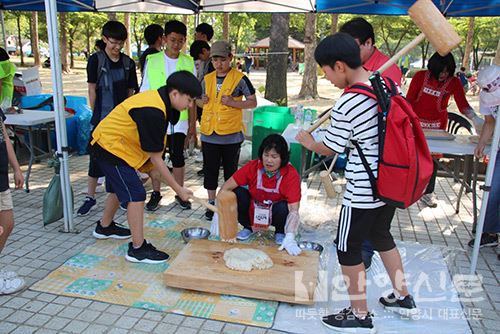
429, 98
376, 60
289, 189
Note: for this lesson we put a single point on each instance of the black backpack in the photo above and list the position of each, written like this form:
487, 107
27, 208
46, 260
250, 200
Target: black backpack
101, 62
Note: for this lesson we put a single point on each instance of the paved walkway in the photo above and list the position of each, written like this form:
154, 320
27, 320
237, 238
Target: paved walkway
34, 251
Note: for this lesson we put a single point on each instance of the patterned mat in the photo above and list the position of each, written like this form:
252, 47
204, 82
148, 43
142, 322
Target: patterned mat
101, 273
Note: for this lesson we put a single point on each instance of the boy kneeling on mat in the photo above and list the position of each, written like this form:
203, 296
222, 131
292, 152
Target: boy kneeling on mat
133, 137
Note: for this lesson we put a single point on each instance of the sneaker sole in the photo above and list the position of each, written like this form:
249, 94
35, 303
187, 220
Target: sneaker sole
351, 330
112, 236
243, 239
85, 214
147, 261
153, 209
404, 312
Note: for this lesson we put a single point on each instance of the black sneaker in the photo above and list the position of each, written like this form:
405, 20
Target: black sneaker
209, 214
185, 205
405, 307
346, 321
147, 253
487, 240
154, 201
112, 231
88, 204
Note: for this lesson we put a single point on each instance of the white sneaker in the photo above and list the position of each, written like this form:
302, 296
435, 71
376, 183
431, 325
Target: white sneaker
430, 200
11, 285
7, 274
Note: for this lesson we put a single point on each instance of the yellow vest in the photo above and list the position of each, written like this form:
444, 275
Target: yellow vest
7, 71
117, 133
217, 117
157, 75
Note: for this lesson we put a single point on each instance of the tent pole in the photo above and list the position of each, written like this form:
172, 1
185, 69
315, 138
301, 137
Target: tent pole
62, 140
487, 183
3, 30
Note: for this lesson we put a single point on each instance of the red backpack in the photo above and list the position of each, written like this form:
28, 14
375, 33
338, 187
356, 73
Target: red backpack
405, 164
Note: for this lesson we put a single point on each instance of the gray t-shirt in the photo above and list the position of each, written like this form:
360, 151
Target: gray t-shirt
244, 88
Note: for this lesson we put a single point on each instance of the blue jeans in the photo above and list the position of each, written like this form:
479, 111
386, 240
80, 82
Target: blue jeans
492, 216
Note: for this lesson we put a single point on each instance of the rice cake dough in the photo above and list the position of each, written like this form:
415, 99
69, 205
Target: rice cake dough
247, 259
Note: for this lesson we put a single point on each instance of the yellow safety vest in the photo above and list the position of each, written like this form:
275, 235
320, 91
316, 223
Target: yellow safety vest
157, 75
117, 133
217, 117
7, 71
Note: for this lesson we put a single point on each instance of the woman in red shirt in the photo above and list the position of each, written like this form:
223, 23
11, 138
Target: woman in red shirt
268, 193
429, 94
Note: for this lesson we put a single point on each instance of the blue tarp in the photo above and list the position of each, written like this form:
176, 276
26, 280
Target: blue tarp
400, 7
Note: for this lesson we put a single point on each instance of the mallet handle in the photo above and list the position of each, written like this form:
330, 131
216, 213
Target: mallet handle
205, 203
402, 52
319, 122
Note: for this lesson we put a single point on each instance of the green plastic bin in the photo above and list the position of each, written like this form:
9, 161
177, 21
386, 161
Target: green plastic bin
268, 120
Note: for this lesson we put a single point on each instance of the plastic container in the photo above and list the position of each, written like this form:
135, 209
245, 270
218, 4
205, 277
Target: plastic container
72, 102
268, 120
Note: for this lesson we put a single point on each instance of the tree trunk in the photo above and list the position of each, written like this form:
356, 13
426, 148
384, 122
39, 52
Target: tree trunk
497, 55
276, 89
468, 44
112, 17
185, 21
335, 23
128, 46
309, 87
64, 43
71, 57
225, 27
137, 35
34, 38
19, 41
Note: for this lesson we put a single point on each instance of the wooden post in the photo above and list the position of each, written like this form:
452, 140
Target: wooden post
293, 56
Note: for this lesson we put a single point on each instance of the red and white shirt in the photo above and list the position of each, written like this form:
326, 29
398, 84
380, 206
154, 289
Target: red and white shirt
429, 98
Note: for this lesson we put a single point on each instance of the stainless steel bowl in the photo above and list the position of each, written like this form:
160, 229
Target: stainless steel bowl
309, 245
194, 233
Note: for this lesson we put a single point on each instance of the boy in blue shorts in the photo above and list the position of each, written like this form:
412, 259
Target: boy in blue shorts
362, 216
133, 137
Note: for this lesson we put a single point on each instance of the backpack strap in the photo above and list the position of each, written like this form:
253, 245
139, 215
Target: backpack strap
371, 176
101, 62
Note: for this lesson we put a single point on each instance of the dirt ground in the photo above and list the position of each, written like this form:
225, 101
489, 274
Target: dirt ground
74, 83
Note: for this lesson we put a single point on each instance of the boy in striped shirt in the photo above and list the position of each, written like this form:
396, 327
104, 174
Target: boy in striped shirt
362, 216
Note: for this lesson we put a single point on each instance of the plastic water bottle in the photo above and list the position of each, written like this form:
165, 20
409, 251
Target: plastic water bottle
308, 118
299, 116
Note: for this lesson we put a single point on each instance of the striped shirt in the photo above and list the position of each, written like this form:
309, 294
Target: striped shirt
354, 117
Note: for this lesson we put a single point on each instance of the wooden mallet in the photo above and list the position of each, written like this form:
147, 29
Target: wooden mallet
227, 211
327, 180
434, 27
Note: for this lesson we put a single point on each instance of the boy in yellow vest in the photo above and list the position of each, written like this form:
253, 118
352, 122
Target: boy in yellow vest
132, 137
222, 118
158, 68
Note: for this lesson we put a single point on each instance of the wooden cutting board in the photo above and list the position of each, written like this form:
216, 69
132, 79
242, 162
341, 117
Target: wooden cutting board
200, 266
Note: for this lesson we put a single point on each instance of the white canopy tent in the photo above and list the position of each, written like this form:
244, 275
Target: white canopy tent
195, 6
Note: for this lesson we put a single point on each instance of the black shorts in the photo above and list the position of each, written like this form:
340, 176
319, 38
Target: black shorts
216, 155
356, 225
175, 144
94, 168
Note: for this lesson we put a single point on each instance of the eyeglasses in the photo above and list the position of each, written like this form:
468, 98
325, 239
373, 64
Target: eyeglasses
174, 40
115, 42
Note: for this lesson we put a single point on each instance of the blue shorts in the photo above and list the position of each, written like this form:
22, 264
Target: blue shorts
123, 181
